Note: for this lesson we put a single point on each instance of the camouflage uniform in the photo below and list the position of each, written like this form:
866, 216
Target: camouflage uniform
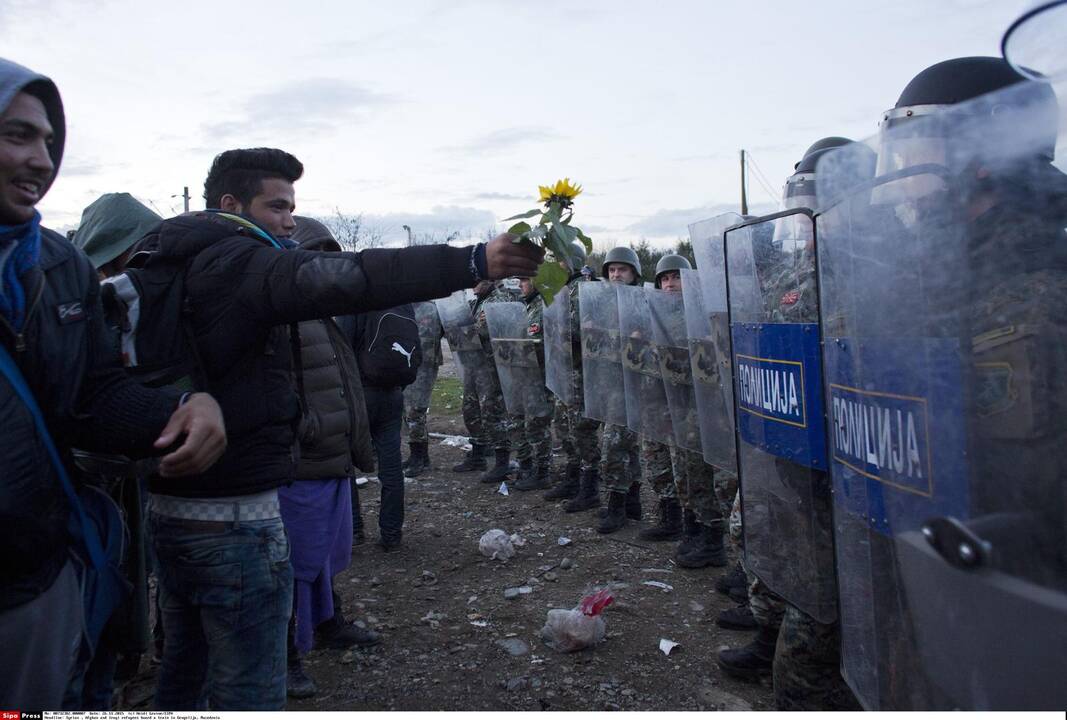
535, 441
583, 430
562, 422
498, 427
656, 467
694, 483
807, 663
619, 455
417, 395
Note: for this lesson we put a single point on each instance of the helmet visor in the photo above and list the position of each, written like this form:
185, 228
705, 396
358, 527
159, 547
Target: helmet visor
1035, 43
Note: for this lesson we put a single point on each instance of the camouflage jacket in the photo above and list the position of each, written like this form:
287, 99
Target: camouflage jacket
498, 294
535, 310
791, 295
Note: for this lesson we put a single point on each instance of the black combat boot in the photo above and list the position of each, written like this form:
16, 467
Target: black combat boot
707, 548
670, 522
754, 660
338, 634
633, 502
588, 496
738, 618
297, 683
500, 471
690, 534
735, 578
567, 487
536, 479
615, 515
474, 460
418, 460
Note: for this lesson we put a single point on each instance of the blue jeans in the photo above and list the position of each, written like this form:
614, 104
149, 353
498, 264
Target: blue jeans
385, 414
226, 597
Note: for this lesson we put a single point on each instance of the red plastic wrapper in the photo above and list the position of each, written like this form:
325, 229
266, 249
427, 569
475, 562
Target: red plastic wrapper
593, 605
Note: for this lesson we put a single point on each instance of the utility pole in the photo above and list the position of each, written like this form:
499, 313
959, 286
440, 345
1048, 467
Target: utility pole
411, 240
744, 183
185, 196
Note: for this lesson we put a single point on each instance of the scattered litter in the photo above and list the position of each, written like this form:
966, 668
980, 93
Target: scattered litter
496, 545
503, 489
566, 564
551, 577
433, 619
348, 658
471, 599
666, 645
657, 584
579, 628
428, 578
513, 593
480, 623
563, 541
456, 441
362, 481
657, 570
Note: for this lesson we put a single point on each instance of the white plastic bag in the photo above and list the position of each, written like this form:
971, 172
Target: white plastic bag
570, 630
496, 545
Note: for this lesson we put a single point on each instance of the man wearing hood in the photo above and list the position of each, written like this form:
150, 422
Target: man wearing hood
51, 324
109, 229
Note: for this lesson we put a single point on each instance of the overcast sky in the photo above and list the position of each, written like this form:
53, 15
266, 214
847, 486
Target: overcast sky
448, 115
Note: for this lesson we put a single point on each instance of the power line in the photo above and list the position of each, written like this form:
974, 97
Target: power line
761, 179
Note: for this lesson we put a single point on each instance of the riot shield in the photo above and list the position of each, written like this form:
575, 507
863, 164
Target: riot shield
598, 310
559, 352
647, 412
672, 350
461, 332
515, 353
942, 292
708, 329
781, 431
418, 393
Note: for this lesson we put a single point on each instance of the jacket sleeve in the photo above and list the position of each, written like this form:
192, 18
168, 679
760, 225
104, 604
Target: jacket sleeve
279, 287
113, 412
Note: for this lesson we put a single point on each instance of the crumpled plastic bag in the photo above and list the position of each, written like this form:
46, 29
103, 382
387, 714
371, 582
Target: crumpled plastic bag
498, 545
582, 627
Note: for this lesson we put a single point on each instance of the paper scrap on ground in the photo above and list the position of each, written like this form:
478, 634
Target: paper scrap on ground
563, 541
362, 481
667, 645
657, 584
503, 490
456, 441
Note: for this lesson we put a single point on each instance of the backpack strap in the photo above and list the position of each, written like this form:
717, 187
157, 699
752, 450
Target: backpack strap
88, 532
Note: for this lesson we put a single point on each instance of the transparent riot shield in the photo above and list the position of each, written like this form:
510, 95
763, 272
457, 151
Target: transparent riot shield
418, 393
559, 352
785, 489
672, 350
598, 310
708, 329
457, 322
943, 283
515, 353
647, 412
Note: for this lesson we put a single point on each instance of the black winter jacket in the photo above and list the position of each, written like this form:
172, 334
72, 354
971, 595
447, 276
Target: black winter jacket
88, 402
244, 294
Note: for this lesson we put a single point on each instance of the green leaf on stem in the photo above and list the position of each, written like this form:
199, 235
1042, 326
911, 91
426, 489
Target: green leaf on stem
520, 228
551, 278
522, 216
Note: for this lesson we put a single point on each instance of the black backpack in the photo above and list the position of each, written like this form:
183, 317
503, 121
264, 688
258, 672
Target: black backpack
147, 306
388, 349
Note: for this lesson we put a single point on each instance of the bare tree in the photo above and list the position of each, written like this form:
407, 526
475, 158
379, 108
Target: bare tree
352, 233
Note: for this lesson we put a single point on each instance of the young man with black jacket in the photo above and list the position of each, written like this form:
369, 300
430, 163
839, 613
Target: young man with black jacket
243, 291
51, 324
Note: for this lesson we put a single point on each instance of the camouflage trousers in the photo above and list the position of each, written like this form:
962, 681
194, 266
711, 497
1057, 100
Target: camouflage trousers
656, 467
584, 442
562, 424
532, 436
767, 608
417, 403
484, 413
620, 458
695, 485
807, 666
736, 526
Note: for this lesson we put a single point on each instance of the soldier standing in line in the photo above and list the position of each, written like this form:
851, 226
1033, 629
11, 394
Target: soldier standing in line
417, 395
537, 431
499, 425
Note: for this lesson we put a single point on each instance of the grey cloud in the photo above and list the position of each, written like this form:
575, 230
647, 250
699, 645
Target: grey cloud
501, 140
499, 196
441, 221
675, 223
83, 167
314, 105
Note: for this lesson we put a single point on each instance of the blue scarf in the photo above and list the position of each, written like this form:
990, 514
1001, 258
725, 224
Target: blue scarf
27, 237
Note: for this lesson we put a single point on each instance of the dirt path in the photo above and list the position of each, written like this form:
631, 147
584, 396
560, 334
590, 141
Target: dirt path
440, 607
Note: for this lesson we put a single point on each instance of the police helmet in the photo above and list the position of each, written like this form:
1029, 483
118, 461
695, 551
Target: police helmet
671, 262
625, 255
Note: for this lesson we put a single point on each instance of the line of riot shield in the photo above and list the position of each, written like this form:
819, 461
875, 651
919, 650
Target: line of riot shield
598, 309
559, 352
708, 329
418, 393
671, 345
515, 353
781, 430
457, 322
943, 283
647, 412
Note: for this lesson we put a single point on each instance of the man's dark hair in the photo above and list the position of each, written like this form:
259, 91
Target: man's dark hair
241, 173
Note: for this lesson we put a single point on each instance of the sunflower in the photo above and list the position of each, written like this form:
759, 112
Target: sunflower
562, 192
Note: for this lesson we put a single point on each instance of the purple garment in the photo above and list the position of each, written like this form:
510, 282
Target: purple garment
318, 517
